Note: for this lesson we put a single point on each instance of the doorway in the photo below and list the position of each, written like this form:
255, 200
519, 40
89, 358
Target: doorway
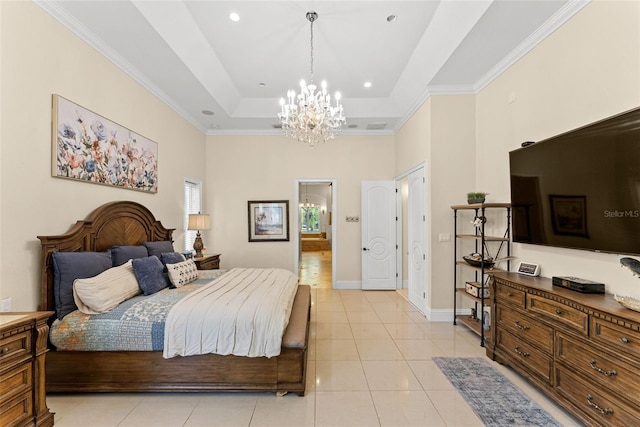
315, 258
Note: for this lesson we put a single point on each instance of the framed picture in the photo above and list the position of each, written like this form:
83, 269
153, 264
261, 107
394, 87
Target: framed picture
269, 221
88, 147
569, 215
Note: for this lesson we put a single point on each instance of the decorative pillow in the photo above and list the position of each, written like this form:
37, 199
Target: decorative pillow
102, 293
149, 271
182, 273
159, 248
122, 254
69, 266
172, 258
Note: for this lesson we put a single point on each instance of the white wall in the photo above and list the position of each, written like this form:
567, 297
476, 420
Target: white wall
40, 58
265, 168
587, 70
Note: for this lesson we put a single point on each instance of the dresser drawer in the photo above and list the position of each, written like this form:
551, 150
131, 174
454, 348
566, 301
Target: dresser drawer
17, 410
15, 381
529, 356
590, 399
615, 336
507, 294
526, 327
569, 316
599, 367
15, 347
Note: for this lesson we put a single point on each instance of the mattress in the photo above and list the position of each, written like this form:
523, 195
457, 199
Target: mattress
135, 325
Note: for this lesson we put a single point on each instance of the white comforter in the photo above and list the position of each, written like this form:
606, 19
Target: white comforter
244, 312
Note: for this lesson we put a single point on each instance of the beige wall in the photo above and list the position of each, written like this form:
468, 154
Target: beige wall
587, 70
265, 168
39, 58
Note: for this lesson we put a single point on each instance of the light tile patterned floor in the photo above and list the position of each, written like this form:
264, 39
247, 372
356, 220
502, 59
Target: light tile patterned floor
370, 364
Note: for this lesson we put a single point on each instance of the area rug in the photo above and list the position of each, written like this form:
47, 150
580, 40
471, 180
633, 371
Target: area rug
495, 399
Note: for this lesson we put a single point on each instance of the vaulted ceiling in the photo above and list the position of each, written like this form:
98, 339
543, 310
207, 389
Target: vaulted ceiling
226, 77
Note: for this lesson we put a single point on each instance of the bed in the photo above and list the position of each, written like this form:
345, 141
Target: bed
130, 223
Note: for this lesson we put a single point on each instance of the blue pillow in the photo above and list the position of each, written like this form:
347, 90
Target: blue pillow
122, 254
171, 258
69, 266
148, 271
159, 248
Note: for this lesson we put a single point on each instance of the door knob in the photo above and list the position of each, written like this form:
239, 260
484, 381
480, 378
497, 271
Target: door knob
365, 249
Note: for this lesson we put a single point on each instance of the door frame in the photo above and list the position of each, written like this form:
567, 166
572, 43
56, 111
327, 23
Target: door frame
425, 237
334, 229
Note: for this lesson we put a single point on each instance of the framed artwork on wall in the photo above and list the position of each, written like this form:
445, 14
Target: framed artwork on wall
88, 147
268, 220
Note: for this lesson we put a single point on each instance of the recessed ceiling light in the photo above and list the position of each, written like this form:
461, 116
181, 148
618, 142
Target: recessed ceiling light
234, 16
208, 112
262, 84
352, 126
367, 84
392, 18
213, 126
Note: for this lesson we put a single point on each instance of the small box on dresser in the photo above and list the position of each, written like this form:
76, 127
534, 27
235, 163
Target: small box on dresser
23, 345
583, 350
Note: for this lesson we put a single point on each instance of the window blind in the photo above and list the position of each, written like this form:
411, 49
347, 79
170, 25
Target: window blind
192, 205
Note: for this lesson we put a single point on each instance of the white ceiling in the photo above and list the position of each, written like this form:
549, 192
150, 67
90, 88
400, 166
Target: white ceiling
193, 57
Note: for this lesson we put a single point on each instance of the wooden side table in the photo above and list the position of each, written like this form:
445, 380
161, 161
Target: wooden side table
208, 262
23, 346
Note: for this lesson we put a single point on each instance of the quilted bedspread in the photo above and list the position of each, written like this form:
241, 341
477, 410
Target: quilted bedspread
135, 325
244, 313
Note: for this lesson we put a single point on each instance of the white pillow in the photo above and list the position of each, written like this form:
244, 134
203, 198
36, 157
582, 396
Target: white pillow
105, 291
182, 273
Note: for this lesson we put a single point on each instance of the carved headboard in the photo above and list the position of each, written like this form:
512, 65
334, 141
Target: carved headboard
114, 223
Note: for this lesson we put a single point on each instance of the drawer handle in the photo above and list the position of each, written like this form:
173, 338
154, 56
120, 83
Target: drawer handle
521, 353
5, 350
558, 311
624, 340
603, 411
523, 327
592, 362
509, 294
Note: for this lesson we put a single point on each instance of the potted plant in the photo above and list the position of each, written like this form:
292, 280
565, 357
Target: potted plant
477, 197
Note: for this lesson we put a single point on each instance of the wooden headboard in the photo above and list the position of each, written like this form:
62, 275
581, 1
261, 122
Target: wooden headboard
114, 223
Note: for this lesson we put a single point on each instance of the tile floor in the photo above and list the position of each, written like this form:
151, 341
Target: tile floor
370, 364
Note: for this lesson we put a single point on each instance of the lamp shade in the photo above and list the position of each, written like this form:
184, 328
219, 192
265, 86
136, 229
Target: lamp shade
198, 222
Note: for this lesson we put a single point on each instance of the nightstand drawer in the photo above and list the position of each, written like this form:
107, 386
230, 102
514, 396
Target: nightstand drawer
15, 381
14, 347
208, 262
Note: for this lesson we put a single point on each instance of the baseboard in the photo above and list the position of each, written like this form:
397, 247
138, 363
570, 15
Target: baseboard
444, 314
348, 284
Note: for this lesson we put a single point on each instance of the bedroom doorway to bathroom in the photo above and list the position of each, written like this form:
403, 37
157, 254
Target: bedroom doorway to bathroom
315, 232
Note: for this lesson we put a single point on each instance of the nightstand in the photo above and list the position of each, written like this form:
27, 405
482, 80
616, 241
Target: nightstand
23, 345
208, 262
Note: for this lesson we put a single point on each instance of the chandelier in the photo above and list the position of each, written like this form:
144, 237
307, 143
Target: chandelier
309, 116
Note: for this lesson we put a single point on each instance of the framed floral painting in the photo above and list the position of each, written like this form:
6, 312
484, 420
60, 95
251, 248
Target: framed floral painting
90, 148
268, 221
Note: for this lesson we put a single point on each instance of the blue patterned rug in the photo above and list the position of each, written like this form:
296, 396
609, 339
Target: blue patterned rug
495, 399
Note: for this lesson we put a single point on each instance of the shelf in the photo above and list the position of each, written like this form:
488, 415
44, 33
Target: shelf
486, 270
474, 324
481, 205
487, 301
479, 237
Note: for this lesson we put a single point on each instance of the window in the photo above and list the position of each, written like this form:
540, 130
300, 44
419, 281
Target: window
310, 218
192, 205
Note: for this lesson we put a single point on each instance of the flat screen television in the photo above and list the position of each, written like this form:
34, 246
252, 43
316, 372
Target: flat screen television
580, 189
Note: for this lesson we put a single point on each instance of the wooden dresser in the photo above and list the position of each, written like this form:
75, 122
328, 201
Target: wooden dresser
23, 345
583, 350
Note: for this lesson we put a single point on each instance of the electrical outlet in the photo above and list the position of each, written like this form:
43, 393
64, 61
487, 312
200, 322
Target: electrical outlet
5, 305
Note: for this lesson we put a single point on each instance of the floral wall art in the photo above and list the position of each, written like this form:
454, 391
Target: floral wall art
91, 148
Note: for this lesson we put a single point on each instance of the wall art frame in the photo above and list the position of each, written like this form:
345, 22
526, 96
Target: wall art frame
91, 148
268, 220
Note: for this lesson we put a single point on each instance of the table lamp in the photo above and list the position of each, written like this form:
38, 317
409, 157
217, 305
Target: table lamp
198, 222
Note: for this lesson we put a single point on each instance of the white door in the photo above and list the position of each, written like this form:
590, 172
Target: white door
416, 219
378, 235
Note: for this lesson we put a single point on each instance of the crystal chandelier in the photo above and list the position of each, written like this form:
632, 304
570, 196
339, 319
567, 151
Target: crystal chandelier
309, 116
